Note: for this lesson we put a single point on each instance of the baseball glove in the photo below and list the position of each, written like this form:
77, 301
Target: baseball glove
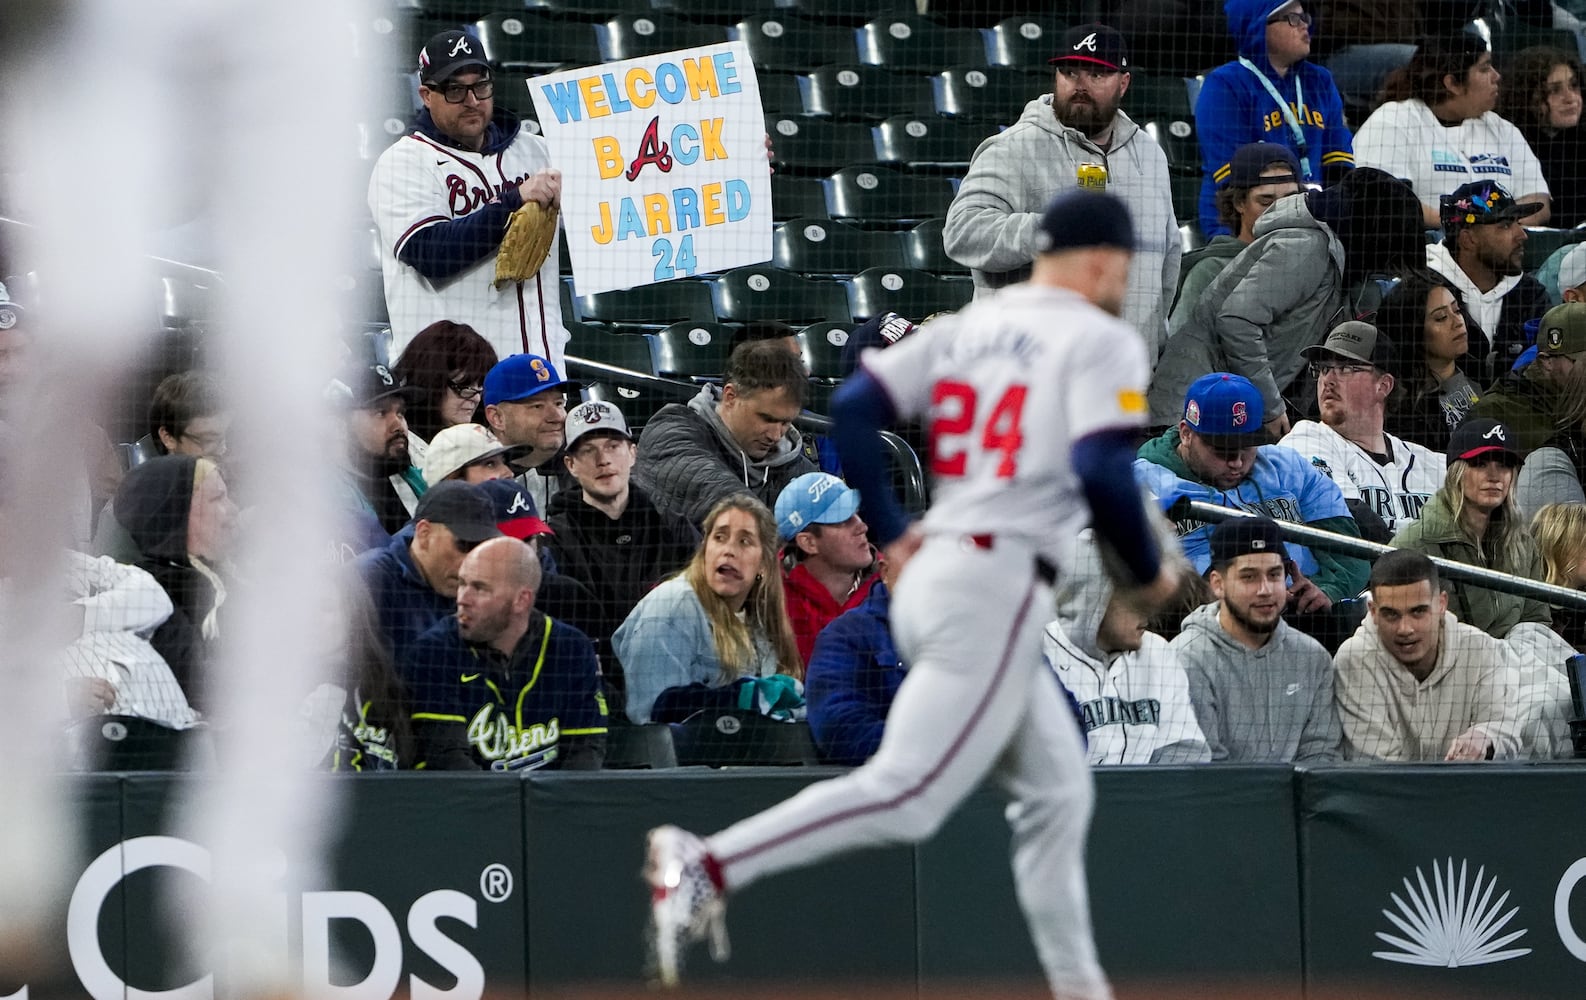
526, 244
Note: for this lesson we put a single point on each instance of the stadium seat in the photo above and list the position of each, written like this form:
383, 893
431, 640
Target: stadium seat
1176, 136
512, 93
522, 41
883, 197
456, 11
817, 145
691, 350
630, 747
853, 12
791, 43
392, 38
929, 143
820, 246
922, 250
638, 402
1511, 39
1540, 244
780, 94
911, 294
715, 10
129, 743
1027, 41
822, 346
992, 93
588, 10
1161, 106
796, 198
864, 92
916, 44
1186, 190
818, 397
629, 35
621, 350
762, 292
648, 305
722, 739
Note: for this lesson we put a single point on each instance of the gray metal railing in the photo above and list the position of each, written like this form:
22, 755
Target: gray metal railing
1316, 538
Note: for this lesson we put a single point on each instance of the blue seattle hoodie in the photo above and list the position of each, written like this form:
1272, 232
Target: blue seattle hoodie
1234, 109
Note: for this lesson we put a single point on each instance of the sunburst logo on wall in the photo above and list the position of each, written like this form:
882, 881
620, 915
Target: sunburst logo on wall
1452, 922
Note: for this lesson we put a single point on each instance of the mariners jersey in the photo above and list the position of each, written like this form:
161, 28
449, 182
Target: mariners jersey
1395, 490
1405, 139
420, 182
516, 710
1007, 386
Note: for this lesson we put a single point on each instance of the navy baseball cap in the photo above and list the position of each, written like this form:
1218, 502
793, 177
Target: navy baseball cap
1226, 409
1079, 219
465, 510
1252, 159
361, 386
513, 509
519, 376
1242, 536
1479, 436
448, 53
1096, 44
814, 498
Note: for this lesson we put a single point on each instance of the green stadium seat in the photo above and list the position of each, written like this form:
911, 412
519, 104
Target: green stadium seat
817, 145
884, 197
630, 747
727, 739
930, 142
797, 198
992, 93
629, 35
818, 397
638, 402
923, 251
588, 10
911, 294
648, 305
791, 43
1186, 190
1027, 41
622, 350
822, 345
392, 38
780, 94
916, 44
1161, 106
821, 246
715, 10
864, 93
456, 11
521, 41
847, 11
512, 93
762, 292
691, 350
1540, 244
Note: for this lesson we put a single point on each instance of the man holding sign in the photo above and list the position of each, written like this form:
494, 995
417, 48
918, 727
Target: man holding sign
442, 197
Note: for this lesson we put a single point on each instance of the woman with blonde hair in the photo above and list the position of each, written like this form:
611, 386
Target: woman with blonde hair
1474, 519
1560, 533
696, 639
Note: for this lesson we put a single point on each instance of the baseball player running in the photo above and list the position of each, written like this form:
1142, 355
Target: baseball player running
1033, 397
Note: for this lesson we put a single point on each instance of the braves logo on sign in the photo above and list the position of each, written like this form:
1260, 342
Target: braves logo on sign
1240, 414
1088, 42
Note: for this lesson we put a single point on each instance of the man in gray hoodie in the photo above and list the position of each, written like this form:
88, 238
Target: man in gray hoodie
1263, 691
738, 438
1073, 137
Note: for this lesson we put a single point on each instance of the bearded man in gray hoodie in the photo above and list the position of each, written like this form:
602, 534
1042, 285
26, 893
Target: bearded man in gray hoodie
1072, 137
738, 438
1262, 690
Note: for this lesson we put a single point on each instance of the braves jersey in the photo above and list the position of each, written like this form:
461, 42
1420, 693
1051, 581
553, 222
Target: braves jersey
1395, 490
420, 182
1007, 386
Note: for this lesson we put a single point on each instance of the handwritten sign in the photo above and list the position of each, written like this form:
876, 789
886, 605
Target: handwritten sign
664, 171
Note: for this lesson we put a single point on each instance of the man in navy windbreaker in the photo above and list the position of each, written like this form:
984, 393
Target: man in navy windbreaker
1271, 93
852, 677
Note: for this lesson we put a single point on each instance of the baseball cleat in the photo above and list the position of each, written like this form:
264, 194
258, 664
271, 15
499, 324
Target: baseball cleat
686, 902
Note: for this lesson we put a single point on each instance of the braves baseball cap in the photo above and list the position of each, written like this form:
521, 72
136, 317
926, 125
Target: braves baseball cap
595, 416
1243, 536
1480, 435
465, 510
879, 331
461, 445
814, 498
1226, 409
1081, 218
519, 376
512, 508
361, 386
1253, 159
1480, 203
1096, 44
1352, 340
1563, 330
448, 53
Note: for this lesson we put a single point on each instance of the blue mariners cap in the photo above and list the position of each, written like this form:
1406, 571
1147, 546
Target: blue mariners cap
814, 498
519, 376
1079, 219
1224, 407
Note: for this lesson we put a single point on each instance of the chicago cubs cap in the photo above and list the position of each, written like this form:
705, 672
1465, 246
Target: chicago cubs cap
448, 53
361, 386
1572, 269
1243, 536
465, 510
1563, 330
1082, 218
519, 376
1225, 408
461, 445
1094, 43
814, 498
597, 415
1252, 159
1480, 435
513, 509
1480, 203
1352, 340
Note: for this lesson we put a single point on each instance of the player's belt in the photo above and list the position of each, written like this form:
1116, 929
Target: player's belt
1045, 569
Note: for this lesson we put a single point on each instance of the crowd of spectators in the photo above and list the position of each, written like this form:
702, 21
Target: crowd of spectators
527, 574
